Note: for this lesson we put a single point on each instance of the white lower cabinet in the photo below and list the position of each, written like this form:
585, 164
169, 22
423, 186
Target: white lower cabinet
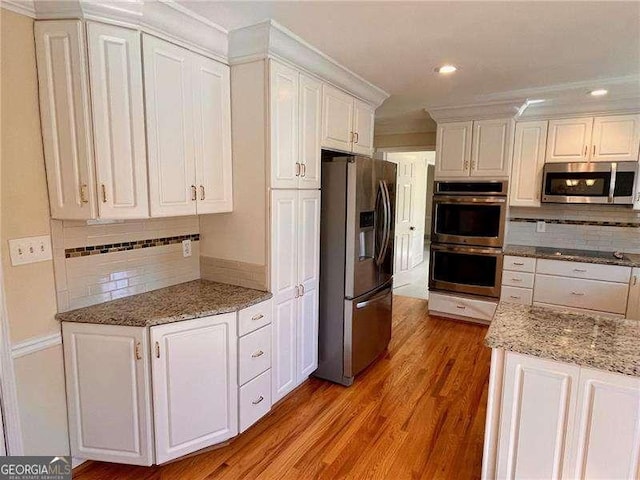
194, 384
633, 303
560, 421
255, 400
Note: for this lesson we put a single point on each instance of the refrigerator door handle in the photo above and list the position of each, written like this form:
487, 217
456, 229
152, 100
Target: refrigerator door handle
373, 299
385, 232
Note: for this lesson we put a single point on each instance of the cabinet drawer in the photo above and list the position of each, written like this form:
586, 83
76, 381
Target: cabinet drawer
519, 264
461, 306
579, 293
254, 317
255, 400
254, 354
522, 296
591, 271
517, 279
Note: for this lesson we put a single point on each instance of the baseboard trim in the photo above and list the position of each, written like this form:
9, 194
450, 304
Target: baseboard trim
35, 344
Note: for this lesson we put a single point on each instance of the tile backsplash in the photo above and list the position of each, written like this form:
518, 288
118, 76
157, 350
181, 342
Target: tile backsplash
586, 227
95, 263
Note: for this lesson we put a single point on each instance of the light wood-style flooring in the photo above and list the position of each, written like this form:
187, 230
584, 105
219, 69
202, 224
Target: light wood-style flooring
418, 413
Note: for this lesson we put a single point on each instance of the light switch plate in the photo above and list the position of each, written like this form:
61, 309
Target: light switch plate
541, 226
30, 250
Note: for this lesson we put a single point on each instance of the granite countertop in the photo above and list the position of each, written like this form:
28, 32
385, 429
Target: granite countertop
198, 298
572, 255
584, 339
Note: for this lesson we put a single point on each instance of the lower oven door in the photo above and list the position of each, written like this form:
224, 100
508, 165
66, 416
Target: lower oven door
367, 328
472, 270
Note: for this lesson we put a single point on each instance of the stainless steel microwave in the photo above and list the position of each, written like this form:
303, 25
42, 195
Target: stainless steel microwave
594, 182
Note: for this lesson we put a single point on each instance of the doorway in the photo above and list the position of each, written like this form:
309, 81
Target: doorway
414, 197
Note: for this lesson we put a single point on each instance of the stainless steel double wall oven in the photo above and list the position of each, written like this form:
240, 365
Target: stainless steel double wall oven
467, 235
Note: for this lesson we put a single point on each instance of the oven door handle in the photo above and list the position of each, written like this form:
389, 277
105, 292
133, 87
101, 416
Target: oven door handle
612, 181
450, 199
464, 249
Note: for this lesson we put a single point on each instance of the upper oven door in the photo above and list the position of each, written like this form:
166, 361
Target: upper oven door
469, 220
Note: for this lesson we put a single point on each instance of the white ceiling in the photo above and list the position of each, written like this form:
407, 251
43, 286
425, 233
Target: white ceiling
500, 46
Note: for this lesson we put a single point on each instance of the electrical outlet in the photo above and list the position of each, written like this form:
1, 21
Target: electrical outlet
541, 227
186, 248
30, 250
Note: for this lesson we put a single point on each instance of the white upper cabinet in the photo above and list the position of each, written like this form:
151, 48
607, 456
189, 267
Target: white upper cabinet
363, 128
569, 140
195, 386
525, 185
212, 135
453, 149
615, 138
188, 130
115, 67
490, 148
66, 118
310, 131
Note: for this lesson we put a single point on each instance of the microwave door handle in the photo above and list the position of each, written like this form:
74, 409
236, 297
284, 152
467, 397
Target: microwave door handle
612, 181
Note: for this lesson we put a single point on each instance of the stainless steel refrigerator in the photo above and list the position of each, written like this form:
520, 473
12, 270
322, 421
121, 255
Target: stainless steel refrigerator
356, 264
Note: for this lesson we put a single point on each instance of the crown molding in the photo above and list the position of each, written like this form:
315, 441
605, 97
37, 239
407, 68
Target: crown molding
163, 18
476, 111
268, 39
588, 107
22, 7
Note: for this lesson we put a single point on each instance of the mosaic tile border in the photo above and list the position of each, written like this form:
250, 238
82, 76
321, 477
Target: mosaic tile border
594, 223
120, 247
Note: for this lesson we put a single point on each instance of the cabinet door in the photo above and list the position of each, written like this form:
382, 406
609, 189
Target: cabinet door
363, 121
528, 163
538, 405
309, 279
115, 64
453, 149
491, 148
195, 384
212, 135
607, 439
633, 304
337, 119
108, 392
285, 156
169, 103
66, 118
569, 140
310, 131
285, 288
615, 138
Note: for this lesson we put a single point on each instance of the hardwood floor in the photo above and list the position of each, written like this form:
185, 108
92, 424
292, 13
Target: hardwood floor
417, 413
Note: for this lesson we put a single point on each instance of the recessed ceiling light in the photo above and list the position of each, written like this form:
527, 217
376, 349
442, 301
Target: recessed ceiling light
444, 69
598, 93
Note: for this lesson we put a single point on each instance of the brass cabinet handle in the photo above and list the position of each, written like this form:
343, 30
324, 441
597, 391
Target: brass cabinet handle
257, 354
83, 193
257, 317
356, 137
635, 280
466, 164
201, 192
515, 296
301, 290
157, 350
586, 149
516, 279
297, 294
518, 263
258, 400
579, 294
138, 354
104, 193
594, 150
297, 169
461, 307
194, 194
580, 270
303, 168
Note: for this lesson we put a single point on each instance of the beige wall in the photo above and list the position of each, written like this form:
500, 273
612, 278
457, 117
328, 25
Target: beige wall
24, 211
427, 139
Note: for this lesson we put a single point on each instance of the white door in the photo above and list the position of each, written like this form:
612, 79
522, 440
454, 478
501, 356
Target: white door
212, 130
606, 443
405, 215
363, 128
170, 133
115, 65
108, 392
569, 140
633, 303
615, 138
310, 131
453, 149
309, 278
285, 289
195, 384
285, 156
490, 148
528, 163
538, 405
337, 119
420, 201
66, 118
